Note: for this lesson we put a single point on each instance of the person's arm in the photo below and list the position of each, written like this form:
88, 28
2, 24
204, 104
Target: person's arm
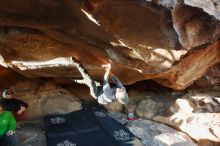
12, 123
116, 81
106, 85
24, 104
21, 110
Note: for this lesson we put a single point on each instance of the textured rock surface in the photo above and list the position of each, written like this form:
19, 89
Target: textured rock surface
152, 107
45, 98
135, 36
211, 7
194, 26
32, 137
211, 78
152, 133
198, 63
195, 113
155, 134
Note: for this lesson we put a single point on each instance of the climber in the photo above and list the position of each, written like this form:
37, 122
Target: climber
16, 106
106, 93
8, 136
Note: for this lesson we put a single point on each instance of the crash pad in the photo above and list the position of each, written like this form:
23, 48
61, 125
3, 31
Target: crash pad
87, 127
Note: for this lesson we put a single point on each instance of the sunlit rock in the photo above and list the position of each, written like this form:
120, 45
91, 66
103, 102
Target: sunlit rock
197, 115
153, 133
139, 38
191, 67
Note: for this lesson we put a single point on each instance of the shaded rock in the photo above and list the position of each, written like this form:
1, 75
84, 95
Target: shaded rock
112, 15
58, 102
194, 27
134, 99
45, 98
148, 108
114, 106
212, 91
167, 28
211, 7
31, 137
81, 92
8, 77
211, 78
47, 86
28, 86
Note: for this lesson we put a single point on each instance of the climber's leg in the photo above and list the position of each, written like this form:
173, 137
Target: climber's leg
86, 79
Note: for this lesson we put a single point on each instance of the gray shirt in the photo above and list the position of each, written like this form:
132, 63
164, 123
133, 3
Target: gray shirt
107, 94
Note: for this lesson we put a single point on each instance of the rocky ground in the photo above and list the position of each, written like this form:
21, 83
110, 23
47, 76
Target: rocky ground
165, 117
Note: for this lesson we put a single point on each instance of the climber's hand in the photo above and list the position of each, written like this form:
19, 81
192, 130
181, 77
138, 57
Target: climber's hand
107, 67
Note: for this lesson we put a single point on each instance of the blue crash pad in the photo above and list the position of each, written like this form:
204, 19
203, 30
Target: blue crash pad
87, 127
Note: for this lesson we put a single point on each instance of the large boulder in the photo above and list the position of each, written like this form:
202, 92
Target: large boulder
210, 7
197, 115
194, 26
137, 37
151, 106
153, 133
195, 112
45, 98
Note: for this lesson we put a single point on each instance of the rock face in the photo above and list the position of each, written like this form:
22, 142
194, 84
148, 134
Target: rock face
45, 98
154, 134
196, 28
182, 72
148, 105
168, 44
33, 137
195, 112
210, 7
211, 78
